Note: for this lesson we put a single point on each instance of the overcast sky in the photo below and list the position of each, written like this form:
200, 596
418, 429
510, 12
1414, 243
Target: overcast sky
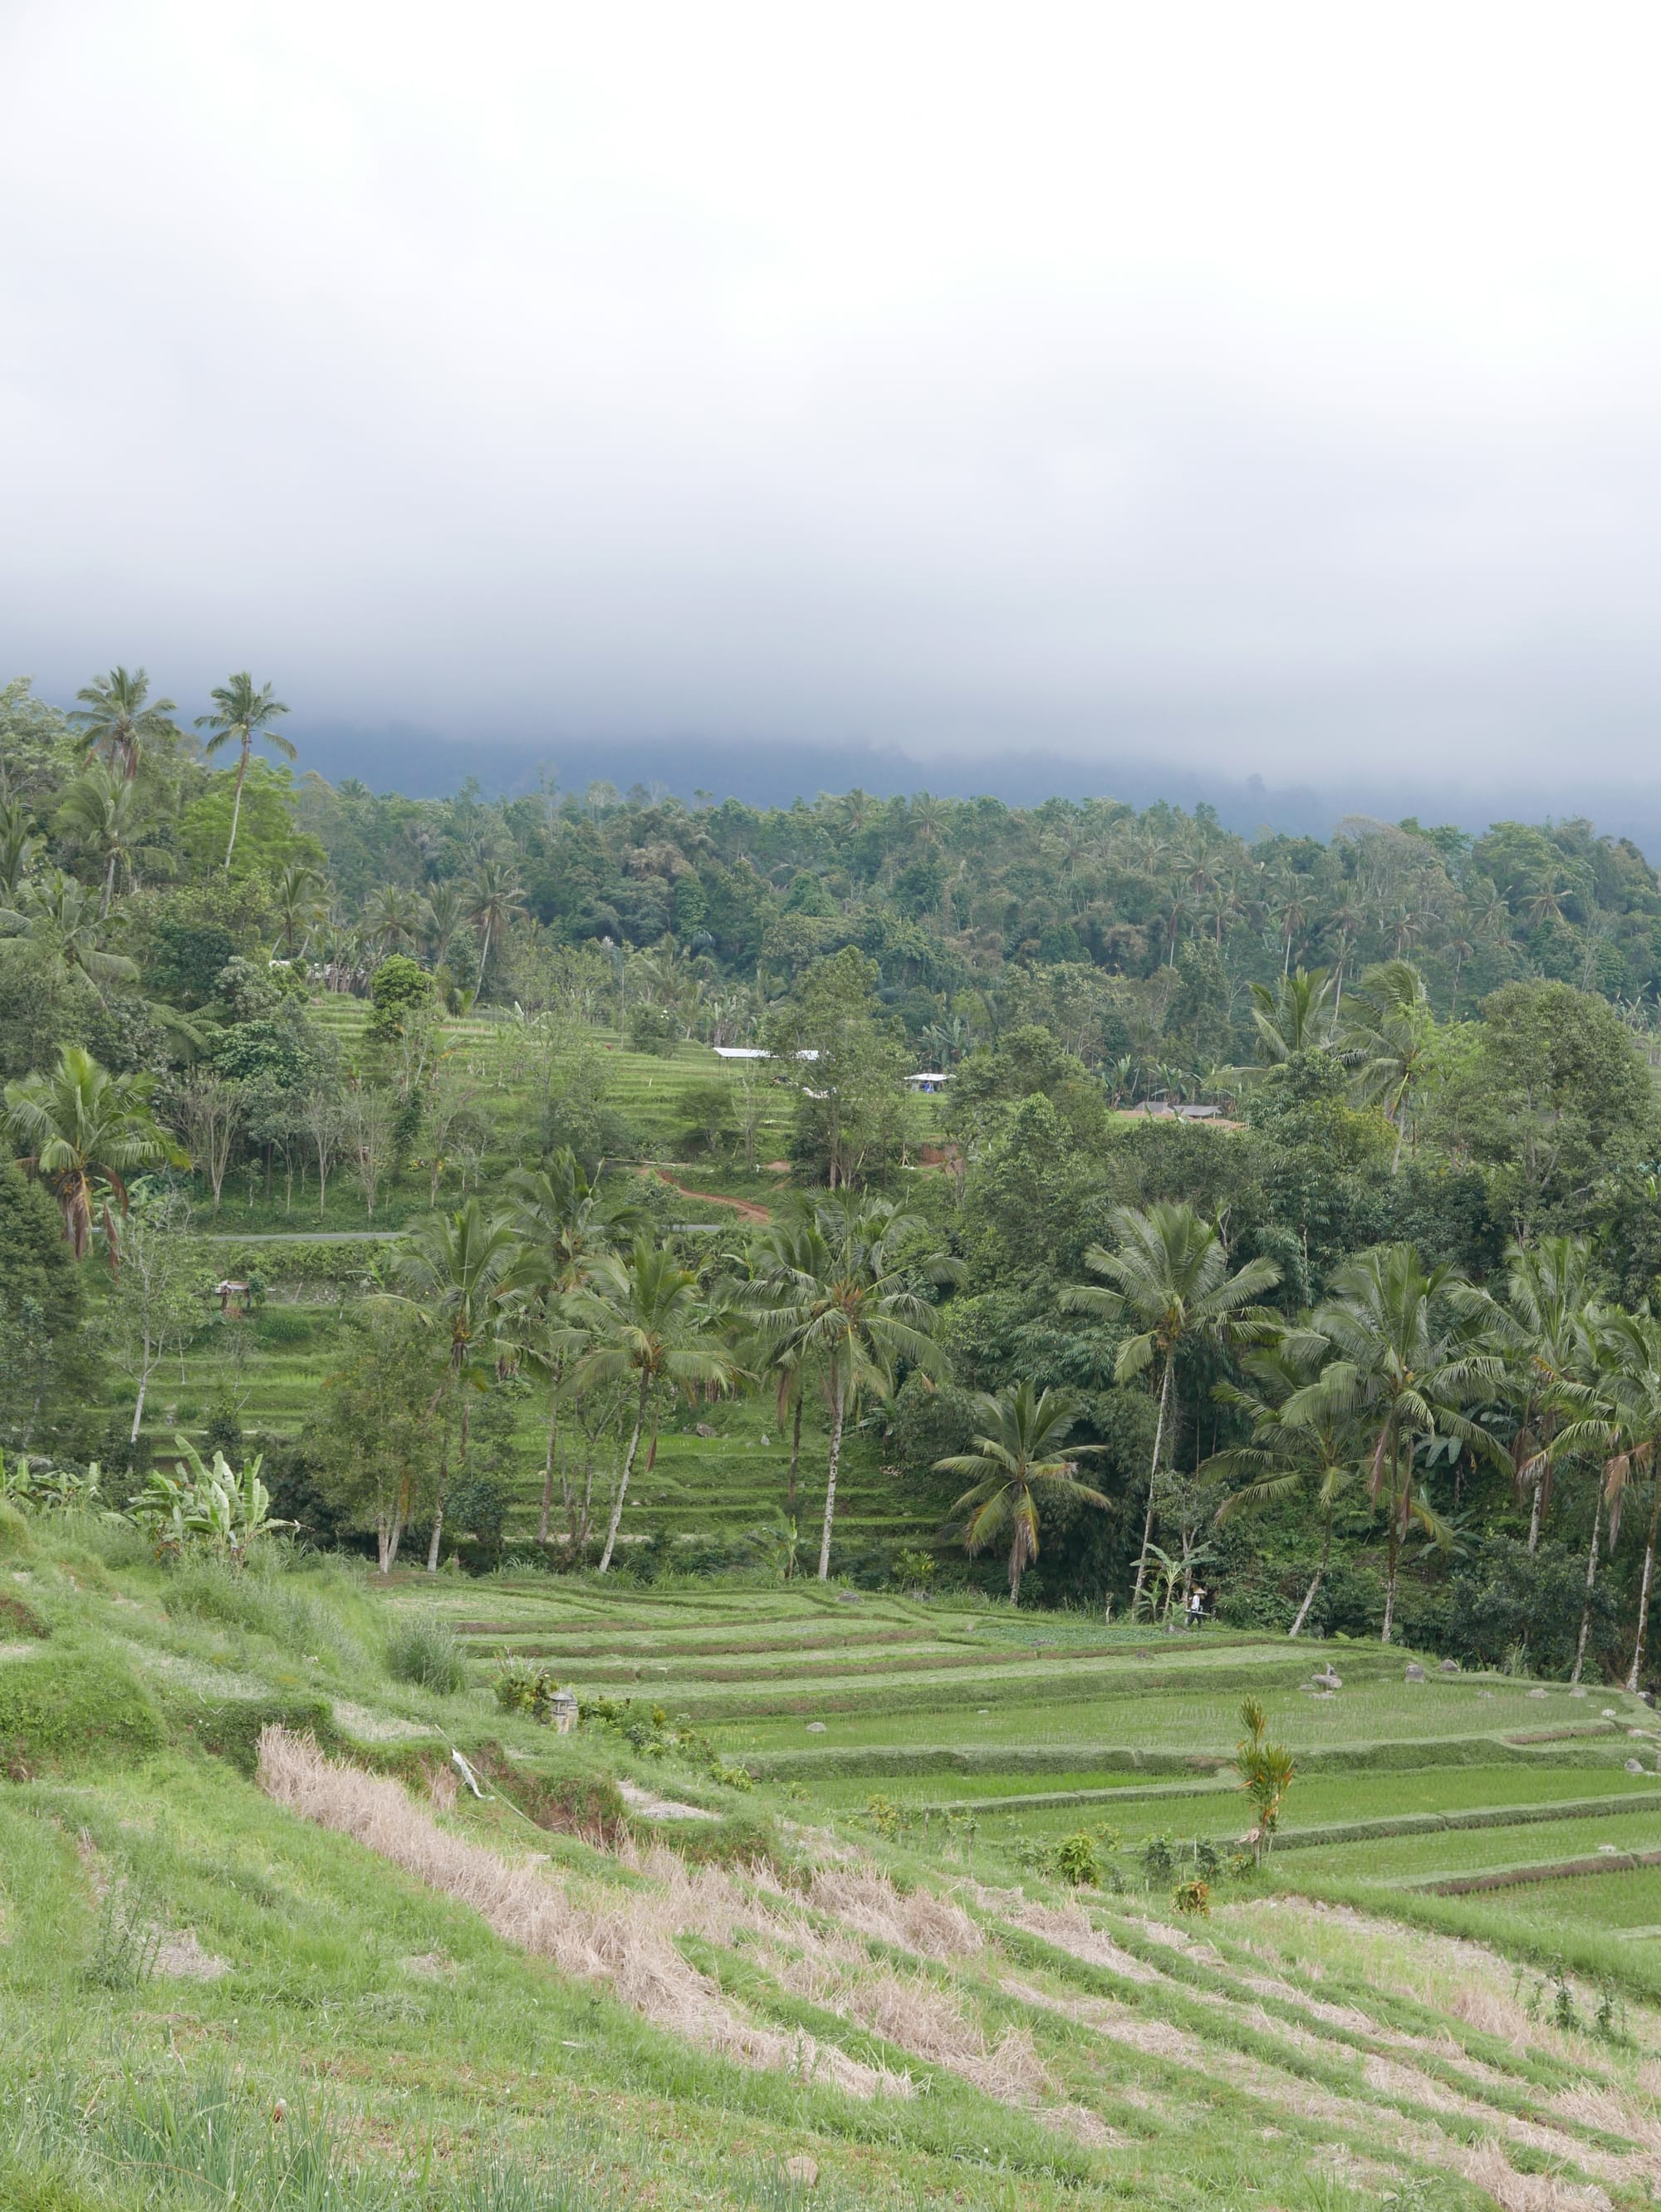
1279, 385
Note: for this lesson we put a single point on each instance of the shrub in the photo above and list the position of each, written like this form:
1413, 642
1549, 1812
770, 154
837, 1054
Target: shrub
1078, 1861
522, 1687
423, 1652
1193, 1898
915, 1570
255, 1600
15, 1537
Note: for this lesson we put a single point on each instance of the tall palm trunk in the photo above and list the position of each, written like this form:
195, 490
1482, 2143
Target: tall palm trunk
838, 1407
444, 1485
794, 1453
1397, 1520
553, 1453
236, 804
1320, 1574
1153, 1487
1644, 1586
1591, 1576
628, 1470
109, 889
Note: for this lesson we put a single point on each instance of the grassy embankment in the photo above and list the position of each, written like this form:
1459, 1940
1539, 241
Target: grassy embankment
622, 1978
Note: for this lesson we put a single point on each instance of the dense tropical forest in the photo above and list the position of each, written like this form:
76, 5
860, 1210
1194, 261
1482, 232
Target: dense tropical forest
1282, 1223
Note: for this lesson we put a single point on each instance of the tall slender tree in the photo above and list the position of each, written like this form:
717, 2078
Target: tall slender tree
849, 1304
1170, 1277
460, 1272
243, 716
564, 1222
653, 1327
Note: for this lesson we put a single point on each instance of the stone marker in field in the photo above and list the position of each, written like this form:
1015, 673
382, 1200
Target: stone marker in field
1450, 1667
816, 1728
1414, 1671
1635, 1766
802, 2168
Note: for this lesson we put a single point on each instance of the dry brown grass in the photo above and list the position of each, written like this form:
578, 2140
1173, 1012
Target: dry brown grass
1069, 1928
863, 1897
630, 1947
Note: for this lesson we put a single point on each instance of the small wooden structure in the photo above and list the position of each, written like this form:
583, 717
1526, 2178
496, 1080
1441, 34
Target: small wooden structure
233, 1299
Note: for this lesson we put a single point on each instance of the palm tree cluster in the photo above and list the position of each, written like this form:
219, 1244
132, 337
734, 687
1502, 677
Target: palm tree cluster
1403, 1367
565, 1278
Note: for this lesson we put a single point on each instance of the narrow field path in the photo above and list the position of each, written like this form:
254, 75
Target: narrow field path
298, 1235
745, 1207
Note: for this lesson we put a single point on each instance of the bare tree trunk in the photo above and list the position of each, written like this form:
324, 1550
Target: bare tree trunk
1591, 1576
438, 1521
236, 807
623, 1480
794, 1453
1153, 1487
144, 1387
1320, 1571
547, 1471
1643, 1595
1534, 1513
830, 1480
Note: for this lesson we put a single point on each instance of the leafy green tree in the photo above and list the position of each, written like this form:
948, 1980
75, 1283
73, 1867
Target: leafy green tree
243, 716
853, 1112
1170, 1276
118, 718
83, 1131
1017, 1462
457, 1270
160, 1297
654, 1329
374, 1445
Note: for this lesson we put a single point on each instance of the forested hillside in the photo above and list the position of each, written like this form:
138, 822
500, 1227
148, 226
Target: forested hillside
1280, 1223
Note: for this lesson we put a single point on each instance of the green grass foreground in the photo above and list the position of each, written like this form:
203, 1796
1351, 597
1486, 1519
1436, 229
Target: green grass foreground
832, 1985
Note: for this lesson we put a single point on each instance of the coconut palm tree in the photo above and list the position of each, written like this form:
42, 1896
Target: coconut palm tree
458, 1271
1293, 1018
1315, 1455
443, 917
100, 810
20, 843
298, 896
58, 916
1408, 1360
1016, 1461
1549, 1327
392, 918
1170, 1275
119, 720
244, 717
848, 1304
83, 1131
492, 903
1386, 1039
564, 1224
1633, 1350
653, 1327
